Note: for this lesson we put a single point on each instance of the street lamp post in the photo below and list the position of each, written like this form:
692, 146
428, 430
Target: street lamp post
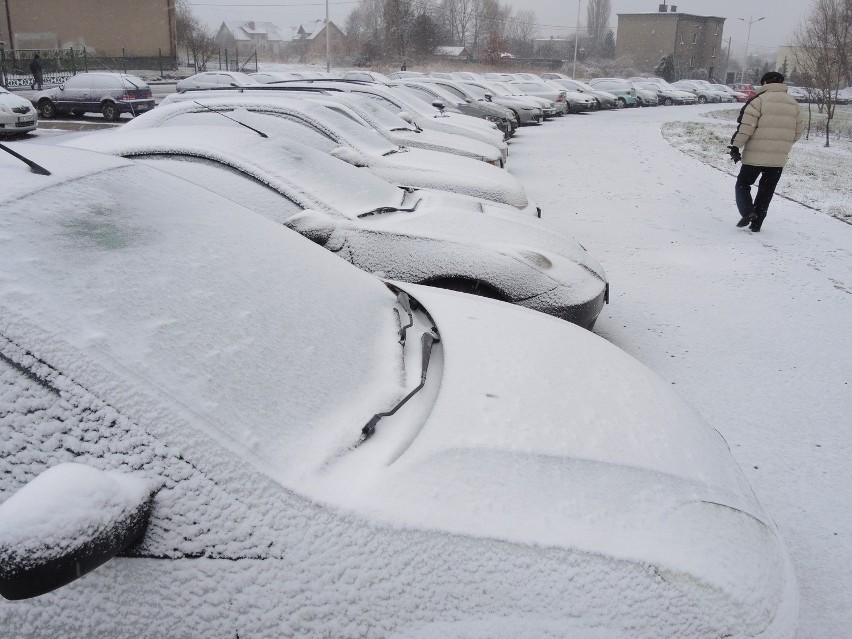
327, 42
576, 39
750, 21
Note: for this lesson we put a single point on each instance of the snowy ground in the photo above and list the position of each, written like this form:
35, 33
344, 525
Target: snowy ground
815, 176
752, 329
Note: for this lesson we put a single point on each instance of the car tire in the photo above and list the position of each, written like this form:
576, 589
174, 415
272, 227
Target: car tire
702, 99
462, 285
668, 102
621, 103
47, 109
110, 111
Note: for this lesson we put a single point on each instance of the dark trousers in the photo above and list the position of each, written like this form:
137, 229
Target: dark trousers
769, 176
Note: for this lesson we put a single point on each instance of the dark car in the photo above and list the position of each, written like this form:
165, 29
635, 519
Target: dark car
110, 94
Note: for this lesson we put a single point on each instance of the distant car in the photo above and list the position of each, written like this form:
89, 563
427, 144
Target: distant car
603, 99
800, 94
623, 91
17, 115
109, 94
724, 88
668, 95
366, 76
268, 77
749, 89
526, 110
540, 89
702, 93
399, 75
523, 477
215, 80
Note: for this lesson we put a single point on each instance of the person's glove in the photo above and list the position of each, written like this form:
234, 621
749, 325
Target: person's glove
735, 154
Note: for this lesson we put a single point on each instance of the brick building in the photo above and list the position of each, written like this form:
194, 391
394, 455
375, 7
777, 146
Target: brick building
311, 40
694, 41
140, 28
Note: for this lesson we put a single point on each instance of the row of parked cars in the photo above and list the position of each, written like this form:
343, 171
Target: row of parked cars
309, 349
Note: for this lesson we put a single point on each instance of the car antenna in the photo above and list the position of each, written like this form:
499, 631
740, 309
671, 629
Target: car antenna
260, 133
35, 167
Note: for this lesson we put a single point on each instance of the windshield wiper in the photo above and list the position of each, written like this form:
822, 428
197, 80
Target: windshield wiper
35, 168
204, 106
399, 149
391, 209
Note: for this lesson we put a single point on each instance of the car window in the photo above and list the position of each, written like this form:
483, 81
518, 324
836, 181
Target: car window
377, 114
454, 91
477, 91
229, 183
77, 81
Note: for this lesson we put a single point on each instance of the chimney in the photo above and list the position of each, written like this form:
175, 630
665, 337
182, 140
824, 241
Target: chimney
674, 9
663, 8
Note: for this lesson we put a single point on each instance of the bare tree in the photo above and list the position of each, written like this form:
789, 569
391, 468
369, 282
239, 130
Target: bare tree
193, 36
597, 21
823, 44
521, 31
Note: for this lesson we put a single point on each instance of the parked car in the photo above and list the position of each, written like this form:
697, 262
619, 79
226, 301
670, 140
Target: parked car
408, 235
668, 96
366, 76
232, 368
526, 111
749, 89
500, 115
271, 77
539, 89
624, 93
215, 80
399, 75
645, 97
324, 127
724, 88
109, 94
702, 94
603, 99
800, 94
548, 107
17, 115
724, 95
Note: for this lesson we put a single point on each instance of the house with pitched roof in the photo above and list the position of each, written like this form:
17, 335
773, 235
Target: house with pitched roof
249, 36
310, 39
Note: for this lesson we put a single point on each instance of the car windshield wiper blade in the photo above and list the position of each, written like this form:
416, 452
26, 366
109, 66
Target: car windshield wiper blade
36, 168
391, 209
204, 106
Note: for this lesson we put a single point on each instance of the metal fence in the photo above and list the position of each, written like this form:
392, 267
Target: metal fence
60, 64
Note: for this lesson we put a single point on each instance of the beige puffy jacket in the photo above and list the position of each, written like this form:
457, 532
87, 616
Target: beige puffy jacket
769, 124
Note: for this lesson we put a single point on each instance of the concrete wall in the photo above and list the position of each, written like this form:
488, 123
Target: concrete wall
141, 27
694, 41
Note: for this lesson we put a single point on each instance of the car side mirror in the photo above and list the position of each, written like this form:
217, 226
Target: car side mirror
405, 115
488, 97
468, 100
317, 226
61, 87
439, 105
350, 156
65, 523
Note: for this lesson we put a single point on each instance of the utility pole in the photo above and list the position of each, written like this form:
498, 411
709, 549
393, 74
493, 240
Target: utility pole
327, 45
728, 60
750, 22
576, 39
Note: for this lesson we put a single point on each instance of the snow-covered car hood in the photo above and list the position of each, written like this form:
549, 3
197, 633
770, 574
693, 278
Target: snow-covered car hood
598, 443
12, 101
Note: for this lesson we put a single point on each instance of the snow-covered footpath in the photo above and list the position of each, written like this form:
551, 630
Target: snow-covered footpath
752, 329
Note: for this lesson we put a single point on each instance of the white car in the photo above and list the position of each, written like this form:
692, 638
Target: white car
17, 115
532, 479
322, 126
417, 236
215, 80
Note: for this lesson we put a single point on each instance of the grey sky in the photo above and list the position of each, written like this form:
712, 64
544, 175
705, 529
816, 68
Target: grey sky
559, 16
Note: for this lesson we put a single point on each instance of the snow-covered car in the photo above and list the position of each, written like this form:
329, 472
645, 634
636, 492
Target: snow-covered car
267, 77
702, 93
366, 76
109, 94
667, 96
417, 236
724, 94
393, 128
724, 88
322, 126
623, 90
537, 481
603, 99
399, 75
215, 80
556, 94
469, 103
399, 101
526, 110
17, 115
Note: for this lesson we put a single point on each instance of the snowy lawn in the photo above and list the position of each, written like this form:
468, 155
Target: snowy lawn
815, 176
751, 329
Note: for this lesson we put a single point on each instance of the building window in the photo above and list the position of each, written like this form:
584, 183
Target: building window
714, 52
694, 38
681, 38
692, 62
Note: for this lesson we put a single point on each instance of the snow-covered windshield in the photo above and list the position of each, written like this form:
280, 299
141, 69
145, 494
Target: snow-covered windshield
434, 92
415, 99
263, 340
375, 113
477, 91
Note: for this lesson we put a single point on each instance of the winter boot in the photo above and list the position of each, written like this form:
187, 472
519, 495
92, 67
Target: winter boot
745, 221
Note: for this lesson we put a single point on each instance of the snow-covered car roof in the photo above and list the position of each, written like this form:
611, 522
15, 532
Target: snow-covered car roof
312, 178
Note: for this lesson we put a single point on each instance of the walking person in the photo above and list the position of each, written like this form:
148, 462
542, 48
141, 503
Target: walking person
36, 70
768, 125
